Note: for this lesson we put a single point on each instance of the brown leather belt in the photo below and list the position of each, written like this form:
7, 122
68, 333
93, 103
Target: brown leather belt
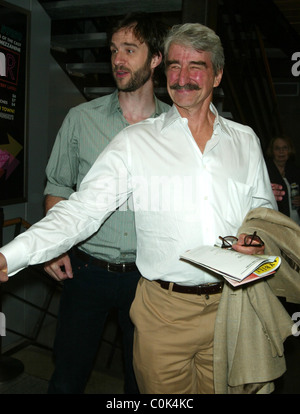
110, 267
208, 289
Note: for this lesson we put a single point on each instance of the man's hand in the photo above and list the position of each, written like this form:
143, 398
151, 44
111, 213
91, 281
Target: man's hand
60, 268
277, 191
3, 269
238, 246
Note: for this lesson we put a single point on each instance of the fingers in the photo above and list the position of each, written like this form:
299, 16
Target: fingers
3, 277
277, 191
248, 249
56, 273
276, 186
239, 246
60, 268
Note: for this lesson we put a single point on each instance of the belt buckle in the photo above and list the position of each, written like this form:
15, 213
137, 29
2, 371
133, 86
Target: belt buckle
123, 267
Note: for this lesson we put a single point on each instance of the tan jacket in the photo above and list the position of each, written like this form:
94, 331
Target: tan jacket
251, 324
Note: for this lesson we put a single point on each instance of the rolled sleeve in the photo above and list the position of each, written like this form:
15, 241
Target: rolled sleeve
57, 190
62, 167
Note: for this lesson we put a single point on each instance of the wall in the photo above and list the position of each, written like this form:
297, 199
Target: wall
60, 103
37, 111
289, 108
286, 78
46, 110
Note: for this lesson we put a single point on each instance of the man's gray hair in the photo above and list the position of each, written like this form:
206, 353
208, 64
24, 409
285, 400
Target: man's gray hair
198, 37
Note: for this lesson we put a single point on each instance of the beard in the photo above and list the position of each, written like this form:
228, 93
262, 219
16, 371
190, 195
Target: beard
138, 78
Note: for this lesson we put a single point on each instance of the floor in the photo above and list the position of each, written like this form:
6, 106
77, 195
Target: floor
107, 377
37, 367
289, 383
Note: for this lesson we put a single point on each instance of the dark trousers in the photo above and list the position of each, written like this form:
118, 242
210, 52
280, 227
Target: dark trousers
85, 304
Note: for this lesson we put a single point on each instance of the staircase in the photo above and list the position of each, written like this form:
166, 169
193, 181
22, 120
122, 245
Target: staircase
259, 38
79, 40
258, 43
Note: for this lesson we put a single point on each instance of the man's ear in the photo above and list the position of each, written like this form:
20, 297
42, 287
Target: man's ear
156, 60
218, 78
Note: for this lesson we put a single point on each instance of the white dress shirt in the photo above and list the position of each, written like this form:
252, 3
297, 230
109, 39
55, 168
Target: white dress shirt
182, 198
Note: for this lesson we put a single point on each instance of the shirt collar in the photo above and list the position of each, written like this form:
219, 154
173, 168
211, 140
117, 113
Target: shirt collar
220, 122
173, 116
111, 104
115, 105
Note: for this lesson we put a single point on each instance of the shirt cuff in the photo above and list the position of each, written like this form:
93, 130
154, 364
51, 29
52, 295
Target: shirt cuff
57, 191
15, 262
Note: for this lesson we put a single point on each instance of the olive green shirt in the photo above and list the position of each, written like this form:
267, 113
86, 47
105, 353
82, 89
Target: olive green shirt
86, 131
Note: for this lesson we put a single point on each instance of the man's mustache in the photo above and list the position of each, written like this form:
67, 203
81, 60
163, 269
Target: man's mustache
187, 86
120, 69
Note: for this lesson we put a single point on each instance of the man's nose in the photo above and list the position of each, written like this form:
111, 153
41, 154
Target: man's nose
183, 77
118, 58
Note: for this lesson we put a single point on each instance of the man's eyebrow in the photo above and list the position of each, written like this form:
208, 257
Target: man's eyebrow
170, 62
125, 44
192, 62
199, 62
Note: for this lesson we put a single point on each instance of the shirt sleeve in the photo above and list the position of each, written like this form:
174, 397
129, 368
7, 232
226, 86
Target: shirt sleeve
62, 167
105, 188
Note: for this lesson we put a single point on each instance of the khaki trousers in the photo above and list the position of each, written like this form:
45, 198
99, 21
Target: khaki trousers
173, 344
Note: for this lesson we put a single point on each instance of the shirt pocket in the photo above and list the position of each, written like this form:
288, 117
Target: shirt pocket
239, 202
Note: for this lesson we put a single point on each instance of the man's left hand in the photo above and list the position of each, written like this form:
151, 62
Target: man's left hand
238, 246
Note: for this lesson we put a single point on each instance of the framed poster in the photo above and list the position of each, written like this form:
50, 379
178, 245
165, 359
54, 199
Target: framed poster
14, 22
